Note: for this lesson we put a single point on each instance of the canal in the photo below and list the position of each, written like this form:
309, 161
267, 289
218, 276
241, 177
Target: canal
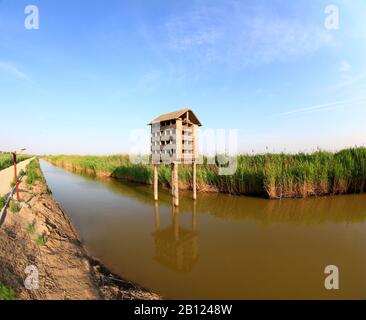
221, 246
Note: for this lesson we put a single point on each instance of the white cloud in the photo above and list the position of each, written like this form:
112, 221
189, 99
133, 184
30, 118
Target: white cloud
12, 70
326, 106
231, 34
344, 66
348, 81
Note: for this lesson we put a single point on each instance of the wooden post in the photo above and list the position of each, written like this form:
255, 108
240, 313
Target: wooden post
175, 184
172, 179
156, 178
194, 182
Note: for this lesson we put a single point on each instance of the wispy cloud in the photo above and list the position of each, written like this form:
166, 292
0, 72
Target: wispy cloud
348, 80
149, 81
232, 34
12, 70
345, 66
326, 106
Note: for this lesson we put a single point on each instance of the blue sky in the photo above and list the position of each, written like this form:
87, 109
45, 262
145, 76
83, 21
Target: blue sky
96, 71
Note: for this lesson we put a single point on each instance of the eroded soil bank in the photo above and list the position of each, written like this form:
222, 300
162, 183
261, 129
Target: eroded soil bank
41, 235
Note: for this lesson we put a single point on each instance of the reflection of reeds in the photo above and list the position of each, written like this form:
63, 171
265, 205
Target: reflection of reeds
270, 175
340, 209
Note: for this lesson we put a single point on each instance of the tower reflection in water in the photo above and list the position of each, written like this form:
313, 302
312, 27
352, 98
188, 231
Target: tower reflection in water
176, 247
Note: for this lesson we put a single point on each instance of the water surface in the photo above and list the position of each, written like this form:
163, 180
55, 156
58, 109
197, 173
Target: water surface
220, 246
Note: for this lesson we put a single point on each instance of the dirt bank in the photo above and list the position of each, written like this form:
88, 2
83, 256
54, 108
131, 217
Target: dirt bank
42, 235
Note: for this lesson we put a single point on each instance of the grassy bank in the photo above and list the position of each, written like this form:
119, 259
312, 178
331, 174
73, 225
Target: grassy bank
269, 175
33, 172
6, 160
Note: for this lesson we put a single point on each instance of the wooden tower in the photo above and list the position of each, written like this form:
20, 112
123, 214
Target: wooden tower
174, 140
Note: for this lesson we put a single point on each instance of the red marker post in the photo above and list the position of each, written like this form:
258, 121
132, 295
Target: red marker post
16, 174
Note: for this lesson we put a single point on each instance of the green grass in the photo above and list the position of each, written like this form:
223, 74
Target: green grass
2, 202
269, 175
6, 160
31, 228
6, 293
40, 240
14, 206
12, 184
33, 173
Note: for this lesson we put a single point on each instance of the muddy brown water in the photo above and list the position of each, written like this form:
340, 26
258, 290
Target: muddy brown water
220, 246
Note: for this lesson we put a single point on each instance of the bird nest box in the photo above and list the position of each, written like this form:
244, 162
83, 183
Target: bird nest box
174, 137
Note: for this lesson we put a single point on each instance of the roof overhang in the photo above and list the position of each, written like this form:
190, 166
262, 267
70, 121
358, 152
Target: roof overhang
176, 115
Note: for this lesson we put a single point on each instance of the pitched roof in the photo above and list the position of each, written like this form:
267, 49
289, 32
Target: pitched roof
175, 115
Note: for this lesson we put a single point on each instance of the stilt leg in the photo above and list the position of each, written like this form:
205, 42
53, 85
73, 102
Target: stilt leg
194, 178
172, 180
156, 196
176, 185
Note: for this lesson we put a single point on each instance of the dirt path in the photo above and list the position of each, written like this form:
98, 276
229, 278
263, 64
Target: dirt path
42, 236
7, 176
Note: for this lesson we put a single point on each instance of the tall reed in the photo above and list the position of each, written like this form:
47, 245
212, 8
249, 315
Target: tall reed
270, 175
6, 159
